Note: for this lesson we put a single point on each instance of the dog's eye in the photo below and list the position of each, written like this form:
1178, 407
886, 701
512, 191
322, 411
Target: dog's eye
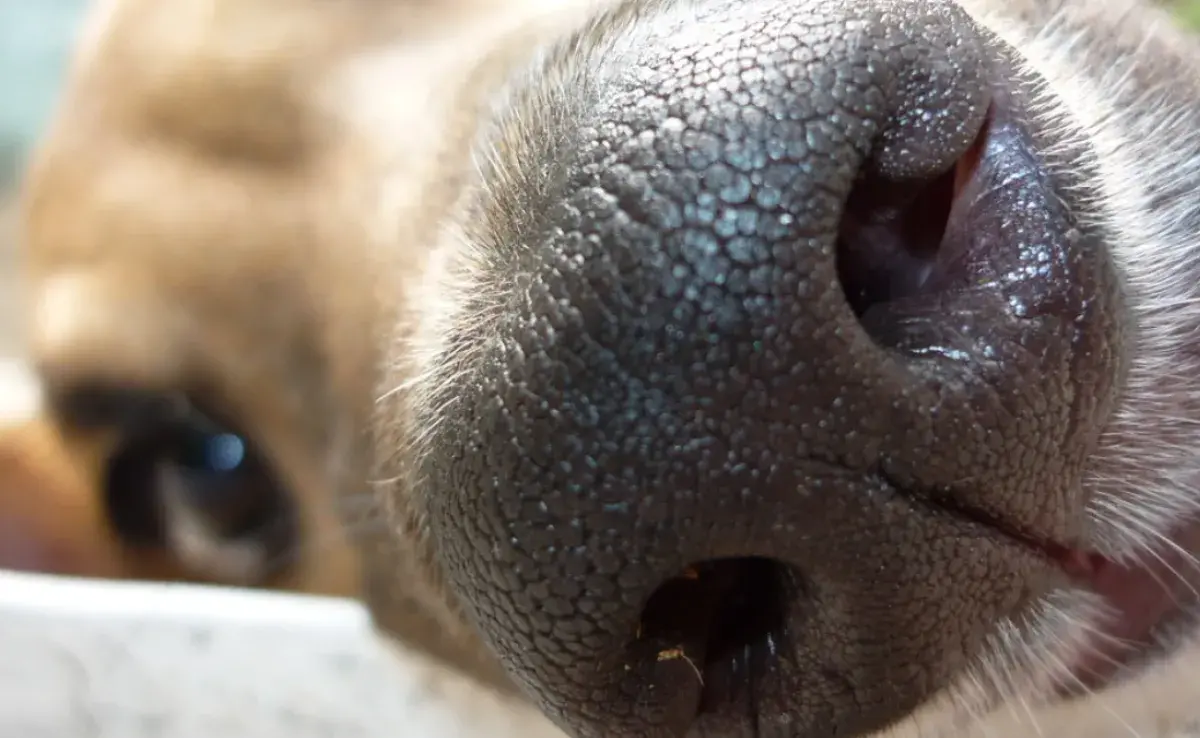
182, 481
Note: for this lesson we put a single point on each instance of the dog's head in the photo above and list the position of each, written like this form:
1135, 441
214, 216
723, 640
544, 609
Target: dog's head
744, 368
202, 359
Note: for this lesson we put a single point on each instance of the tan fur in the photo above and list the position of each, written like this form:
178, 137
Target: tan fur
49, 519
268, 199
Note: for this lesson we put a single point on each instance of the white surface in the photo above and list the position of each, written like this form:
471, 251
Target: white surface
20, 394
87, 659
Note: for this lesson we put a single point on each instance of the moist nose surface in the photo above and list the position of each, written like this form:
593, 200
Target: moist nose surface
670, 390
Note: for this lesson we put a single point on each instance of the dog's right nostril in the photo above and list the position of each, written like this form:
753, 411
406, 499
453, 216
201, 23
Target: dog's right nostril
726, 619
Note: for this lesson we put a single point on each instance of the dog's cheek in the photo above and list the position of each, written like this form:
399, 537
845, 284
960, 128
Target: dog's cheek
50, 519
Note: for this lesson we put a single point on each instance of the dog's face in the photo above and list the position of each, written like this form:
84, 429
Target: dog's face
720, 368
211, 416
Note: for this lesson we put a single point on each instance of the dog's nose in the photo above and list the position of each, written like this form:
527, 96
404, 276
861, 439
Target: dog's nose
759, 380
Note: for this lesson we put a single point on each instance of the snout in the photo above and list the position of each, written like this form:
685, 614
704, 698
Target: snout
787, 342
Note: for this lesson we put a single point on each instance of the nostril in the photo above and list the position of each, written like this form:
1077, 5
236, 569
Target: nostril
892, 234
884, 250
726, 618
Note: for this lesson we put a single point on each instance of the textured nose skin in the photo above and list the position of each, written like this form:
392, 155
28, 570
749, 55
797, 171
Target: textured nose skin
666, 370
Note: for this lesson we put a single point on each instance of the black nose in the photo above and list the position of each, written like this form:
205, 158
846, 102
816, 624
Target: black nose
759, 383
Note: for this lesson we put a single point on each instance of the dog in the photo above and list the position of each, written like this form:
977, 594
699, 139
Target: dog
675, 367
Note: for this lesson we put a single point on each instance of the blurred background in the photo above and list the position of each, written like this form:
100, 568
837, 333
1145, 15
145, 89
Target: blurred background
1188, 12
35, 39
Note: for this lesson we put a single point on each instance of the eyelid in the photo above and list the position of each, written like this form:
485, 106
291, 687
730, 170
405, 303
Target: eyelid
95, 406
89, 407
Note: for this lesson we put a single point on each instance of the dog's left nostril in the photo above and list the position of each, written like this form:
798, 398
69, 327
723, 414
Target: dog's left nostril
888, 241
891, 238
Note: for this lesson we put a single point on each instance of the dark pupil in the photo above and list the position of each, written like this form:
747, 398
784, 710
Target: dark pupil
215, 468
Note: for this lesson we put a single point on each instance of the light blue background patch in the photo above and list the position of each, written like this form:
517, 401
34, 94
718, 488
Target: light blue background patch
35, 40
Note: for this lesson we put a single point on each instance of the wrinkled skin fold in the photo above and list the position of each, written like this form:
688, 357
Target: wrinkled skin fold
712, 368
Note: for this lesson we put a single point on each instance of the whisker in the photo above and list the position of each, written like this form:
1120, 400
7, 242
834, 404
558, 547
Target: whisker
1188, 559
